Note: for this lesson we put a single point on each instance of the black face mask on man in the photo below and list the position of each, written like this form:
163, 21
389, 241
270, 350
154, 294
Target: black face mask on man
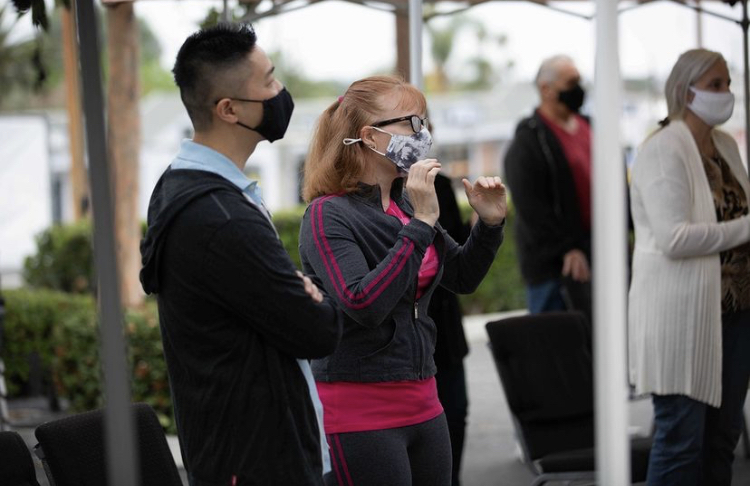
572, 98
277, 112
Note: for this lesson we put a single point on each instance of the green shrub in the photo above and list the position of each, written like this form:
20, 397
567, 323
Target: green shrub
63, 329
31, 316
287, 224
502, 288
64, 259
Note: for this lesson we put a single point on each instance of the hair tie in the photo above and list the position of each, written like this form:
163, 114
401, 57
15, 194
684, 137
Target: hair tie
341, 98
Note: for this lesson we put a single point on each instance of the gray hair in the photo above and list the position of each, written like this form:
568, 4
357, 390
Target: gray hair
690, 66
550, 69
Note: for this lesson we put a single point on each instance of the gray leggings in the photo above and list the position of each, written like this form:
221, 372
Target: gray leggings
417, 455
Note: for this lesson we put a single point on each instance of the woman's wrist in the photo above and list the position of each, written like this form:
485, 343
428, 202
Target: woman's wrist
427, 219
493, 222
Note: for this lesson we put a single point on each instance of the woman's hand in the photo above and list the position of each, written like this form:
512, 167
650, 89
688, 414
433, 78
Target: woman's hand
488, 198
420, 184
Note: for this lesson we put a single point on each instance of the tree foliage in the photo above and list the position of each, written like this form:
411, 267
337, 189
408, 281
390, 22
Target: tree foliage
477, 73
32, 71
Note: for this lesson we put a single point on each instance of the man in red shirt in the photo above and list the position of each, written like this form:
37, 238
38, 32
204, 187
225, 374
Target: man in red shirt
548, 170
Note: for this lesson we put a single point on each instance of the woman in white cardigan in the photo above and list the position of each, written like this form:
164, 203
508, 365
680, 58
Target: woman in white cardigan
689, 314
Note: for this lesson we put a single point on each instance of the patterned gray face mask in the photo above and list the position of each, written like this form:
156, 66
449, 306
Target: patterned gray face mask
403, 150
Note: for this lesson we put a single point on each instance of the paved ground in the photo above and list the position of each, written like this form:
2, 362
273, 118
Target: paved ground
490, 457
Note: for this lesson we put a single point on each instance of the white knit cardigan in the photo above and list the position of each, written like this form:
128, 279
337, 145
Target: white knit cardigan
674, 312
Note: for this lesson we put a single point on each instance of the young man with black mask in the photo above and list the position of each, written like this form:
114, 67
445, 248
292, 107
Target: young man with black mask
238, 321
548, 170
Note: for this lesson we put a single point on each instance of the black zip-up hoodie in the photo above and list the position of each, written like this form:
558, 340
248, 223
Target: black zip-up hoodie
234, 319
548, 216
369, 262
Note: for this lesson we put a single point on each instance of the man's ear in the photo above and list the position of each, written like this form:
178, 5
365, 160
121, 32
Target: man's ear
545, 91
224, 110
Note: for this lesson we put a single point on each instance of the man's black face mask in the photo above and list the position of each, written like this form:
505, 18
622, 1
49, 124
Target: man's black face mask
277, 112
572, 98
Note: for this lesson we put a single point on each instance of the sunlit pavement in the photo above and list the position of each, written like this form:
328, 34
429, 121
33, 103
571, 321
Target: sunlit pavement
490, 456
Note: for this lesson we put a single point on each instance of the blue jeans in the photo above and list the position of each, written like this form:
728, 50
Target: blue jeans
694, 443
545, 297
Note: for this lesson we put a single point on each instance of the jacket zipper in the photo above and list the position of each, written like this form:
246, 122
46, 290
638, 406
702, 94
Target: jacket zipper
420, 345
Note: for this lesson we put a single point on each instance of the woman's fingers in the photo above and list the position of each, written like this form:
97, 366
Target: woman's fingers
433, 173
421, 168
483, 182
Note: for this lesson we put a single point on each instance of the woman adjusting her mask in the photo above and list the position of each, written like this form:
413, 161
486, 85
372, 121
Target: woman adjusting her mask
370, 234
403, 150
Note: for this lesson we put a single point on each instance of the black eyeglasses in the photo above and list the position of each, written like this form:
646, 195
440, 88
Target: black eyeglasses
416, 122
239, 99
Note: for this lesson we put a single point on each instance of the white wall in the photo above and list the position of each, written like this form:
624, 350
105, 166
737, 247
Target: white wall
25, 200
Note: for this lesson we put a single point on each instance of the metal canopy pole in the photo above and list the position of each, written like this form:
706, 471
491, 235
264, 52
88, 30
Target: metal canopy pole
119, 432
415, 43
4, 415
745, 23
609, 261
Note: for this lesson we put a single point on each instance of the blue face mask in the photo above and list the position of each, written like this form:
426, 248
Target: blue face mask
403, 150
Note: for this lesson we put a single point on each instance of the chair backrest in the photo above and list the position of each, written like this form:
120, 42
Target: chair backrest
545, 367
73, 449
16, 463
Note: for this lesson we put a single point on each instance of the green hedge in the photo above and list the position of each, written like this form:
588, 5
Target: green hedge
62, 328
64, 259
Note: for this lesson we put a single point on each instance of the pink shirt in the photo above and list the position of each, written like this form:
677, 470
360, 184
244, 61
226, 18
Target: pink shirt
430, 262
358, 407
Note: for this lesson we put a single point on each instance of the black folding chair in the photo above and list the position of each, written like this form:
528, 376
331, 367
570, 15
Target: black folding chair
545, 367
16, 463
73, 452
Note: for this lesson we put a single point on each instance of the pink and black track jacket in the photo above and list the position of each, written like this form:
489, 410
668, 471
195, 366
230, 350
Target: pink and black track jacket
368, 262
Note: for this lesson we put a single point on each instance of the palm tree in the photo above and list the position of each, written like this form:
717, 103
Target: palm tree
20, 64
441, 47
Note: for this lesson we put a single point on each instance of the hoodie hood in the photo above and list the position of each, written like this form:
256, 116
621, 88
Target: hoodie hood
175, 190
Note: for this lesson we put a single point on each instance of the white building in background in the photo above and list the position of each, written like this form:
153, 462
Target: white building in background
25, 190
471, 130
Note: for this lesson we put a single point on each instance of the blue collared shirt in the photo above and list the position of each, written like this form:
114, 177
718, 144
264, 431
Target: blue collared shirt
200, 157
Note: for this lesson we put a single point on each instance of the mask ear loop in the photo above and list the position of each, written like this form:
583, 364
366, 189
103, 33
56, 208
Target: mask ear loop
352, 141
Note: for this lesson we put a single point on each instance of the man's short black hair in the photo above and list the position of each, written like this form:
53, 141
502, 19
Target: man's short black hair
203, 63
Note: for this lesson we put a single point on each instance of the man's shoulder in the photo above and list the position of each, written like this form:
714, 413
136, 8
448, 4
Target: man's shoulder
221, 202
526, 137
526, 126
